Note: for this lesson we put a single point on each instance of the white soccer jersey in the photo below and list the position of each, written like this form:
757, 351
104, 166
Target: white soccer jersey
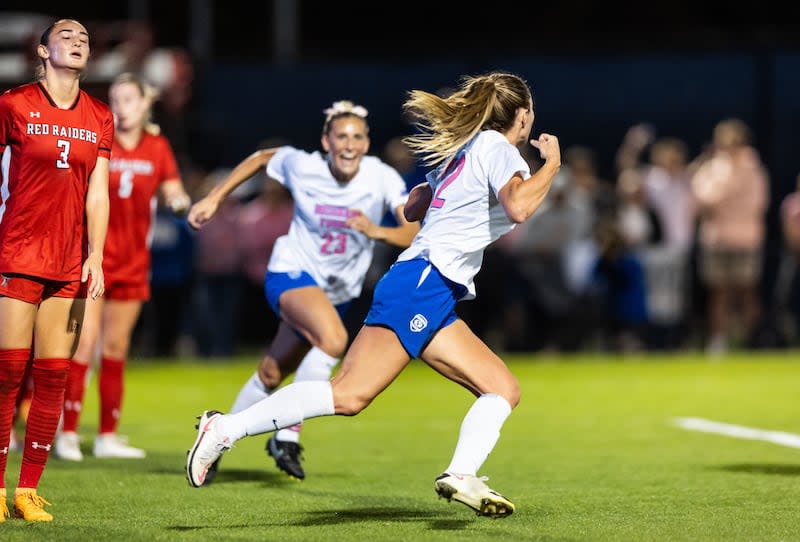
464, 216
318, 240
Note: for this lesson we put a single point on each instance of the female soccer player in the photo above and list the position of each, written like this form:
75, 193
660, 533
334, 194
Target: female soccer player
55, 141
319, 266
480, 189
142, 162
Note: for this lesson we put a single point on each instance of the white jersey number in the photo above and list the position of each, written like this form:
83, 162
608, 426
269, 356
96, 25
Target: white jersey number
63, 163
125, 184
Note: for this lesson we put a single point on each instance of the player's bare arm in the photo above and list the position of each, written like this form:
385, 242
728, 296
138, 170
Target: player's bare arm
202, 211
175, 196
400, 235
97, 209
521, 197
419, 199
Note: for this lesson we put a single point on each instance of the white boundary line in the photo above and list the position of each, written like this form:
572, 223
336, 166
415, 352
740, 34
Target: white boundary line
738, 431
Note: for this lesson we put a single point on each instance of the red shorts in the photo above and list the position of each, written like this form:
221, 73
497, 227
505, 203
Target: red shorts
127, 291
35, 289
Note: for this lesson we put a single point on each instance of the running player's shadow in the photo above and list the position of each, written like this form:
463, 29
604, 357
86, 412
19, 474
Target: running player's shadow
232, 475
761, 468
383, 514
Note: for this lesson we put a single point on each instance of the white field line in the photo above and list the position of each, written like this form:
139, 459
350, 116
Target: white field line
739, 431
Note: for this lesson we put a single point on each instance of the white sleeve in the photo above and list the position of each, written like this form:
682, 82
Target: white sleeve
501, 162
395, 191
278, 165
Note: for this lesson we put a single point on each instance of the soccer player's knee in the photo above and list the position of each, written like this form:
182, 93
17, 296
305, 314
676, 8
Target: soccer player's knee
269, 373
116, 349
335, 343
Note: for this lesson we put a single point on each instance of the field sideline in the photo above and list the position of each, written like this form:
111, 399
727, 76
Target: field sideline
592, 453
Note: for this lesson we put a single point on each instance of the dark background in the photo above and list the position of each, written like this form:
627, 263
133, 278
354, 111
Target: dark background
242, 29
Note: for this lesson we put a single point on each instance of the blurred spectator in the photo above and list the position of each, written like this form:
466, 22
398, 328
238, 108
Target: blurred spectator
218, 283
164, 329
595, 194
669, 192
135, 43
668, 264
172, 72
637, 221
260, 222
787, 289
540, 306
732, 189
618, 285
397, 154
595, 198
634, 144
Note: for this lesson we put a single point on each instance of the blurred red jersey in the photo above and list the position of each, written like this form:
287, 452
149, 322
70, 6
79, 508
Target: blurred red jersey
48, 155
135, 175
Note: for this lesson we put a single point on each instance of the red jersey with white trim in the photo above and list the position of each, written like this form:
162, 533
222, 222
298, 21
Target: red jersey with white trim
48, 155
135, 175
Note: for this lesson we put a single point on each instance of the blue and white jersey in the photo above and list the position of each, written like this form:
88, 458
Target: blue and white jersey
464, 216
318, 240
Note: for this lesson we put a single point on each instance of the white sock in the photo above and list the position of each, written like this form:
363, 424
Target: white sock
479, 433
289, 434
316, 365
251, 393
288, 406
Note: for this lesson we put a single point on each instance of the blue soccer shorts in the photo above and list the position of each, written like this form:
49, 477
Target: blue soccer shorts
277, 283
414, 300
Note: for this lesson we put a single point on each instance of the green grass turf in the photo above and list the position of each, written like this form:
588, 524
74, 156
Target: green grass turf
589, 454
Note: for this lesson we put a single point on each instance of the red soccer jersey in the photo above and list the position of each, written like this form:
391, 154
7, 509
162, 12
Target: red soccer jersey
47, 156
135, 175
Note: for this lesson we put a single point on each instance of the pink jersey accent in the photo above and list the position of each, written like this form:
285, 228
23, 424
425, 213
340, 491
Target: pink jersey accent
135, 175
48, 155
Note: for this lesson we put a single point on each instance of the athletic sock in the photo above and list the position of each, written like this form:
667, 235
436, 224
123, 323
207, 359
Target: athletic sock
316, 365
479, 433
12, 372
288, 406
73, 395
49, 380
111, 387
251, 393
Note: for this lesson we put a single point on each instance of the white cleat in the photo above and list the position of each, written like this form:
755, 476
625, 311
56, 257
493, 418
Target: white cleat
472, 491
112, 445
208, 447
68, 446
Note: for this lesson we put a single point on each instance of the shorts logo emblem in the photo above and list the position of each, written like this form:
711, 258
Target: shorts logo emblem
418, 323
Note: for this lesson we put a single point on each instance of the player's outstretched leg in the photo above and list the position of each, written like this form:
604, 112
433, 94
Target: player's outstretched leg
472, 491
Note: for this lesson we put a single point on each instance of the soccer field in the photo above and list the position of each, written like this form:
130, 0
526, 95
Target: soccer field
592, 453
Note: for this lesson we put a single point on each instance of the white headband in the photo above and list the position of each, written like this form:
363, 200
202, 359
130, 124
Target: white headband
344, 106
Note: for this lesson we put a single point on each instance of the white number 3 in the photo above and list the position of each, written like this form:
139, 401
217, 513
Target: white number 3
63, 163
